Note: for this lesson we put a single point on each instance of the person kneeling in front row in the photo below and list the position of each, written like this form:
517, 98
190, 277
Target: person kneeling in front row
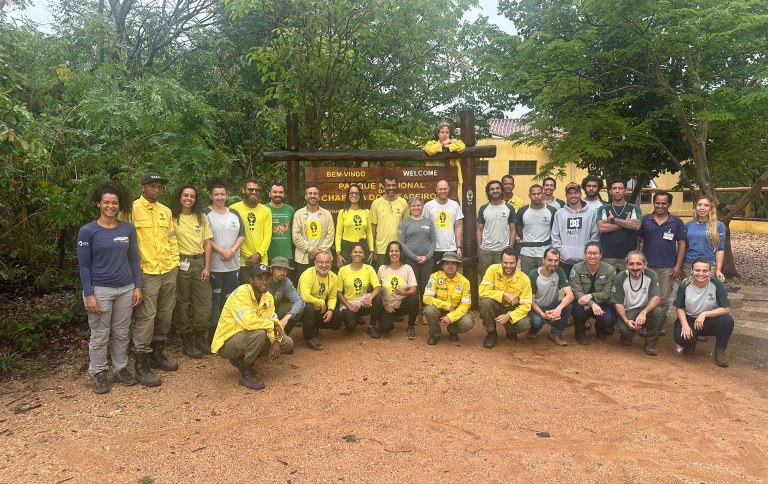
505, 298
546, 283
447, 301
318, 287
702, 309
248, 327
591, 282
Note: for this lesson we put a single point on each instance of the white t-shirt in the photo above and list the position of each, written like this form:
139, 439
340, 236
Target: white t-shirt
444, 216
391, 279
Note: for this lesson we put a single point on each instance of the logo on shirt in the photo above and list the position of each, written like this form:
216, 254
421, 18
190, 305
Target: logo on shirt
82, 243
358, 221
251, 220
394, 282
322, 289
120, 240
575, 223
358, 284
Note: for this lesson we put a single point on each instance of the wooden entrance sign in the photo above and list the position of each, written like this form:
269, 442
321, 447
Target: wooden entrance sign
333, 182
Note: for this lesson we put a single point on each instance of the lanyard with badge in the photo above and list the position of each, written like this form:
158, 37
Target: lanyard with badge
184, 265
668, 235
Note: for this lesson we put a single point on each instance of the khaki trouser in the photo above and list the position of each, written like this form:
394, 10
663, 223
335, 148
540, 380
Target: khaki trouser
192, 296
252, 345
486, 258
490, 309
666, 284
433, 315
152, 318
653, 322
528, 263
619, 264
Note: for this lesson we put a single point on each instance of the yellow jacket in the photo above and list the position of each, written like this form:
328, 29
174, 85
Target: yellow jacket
443, 293
318, 291
158, 248
242, 312
435, 146
258, 230
495, 284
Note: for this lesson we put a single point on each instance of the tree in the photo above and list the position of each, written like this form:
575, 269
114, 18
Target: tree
604, 78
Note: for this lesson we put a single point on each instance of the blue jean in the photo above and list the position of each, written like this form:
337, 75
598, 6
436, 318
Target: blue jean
222, 283
604, 323
721, 327
558, 327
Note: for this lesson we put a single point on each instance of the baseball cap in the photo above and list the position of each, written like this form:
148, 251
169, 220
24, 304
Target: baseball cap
257, 270
152, 176
572, 185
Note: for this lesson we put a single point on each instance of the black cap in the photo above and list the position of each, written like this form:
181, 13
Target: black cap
152, 176
257, 270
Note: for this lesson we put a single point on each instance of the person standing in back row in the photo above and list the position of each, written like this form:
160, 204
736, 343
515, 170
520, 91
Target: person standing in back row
282, 220
387, 211
495, 226
258, 227
618, 223
313, 230
446, 215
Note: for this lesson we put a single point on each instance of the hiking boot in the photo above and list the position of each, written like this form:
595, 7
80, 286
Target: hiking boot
511, 335
600, 333
410, 333
532, 333
587, 325
625, 340
202, 342
144, 374
432, 340
189, 343
720, 359
314, 344
373, 333
558, 339
581, 337
157, 359
100, 382
642, 332
248, 378
124, 376
650, 350
690, 349
490, 340
453, 337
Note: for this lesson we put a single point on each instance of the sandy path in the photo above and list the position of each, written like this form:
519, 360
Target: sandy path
394, 410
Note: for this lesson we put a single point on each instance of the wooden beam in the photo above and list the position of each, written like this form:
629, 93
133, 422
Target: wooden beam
379, 155
469, 201
292, 127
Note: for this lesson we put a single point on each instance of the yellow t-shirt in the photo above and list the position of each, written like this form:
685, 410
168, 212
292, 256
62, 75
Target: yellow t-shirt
354, 284
258, 230
191, 233
387, 217
354, 226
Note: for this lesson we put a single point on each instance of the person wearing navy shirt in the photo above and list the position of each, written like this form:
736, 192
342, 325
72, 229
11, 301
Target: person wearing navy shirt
108, 256
618, 223
664, 245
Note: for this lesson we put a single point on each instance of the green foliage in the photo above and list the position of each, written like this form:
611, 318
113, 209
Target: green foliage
13, 362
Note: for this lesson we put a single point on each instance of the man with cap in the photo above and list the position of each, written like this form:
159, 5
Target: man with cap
159, 258
248, 327
318, 287
288, 302
447, 301
505, 299
574, 226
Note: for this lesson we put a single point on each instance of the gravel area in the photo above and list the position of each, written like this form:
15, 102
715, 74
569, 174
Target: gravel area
750, 251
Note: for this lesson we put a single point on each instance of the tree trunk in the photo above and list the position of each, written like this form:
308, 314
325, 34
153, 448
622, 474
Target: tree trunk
729, 264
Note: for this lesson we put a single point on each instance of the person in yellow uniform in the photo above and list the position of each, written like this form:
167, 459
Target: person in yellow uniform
249, 329
387, 211
505, 298
192, 312
319, 290
353, 224
258, 226
447, 300
159, 258
358, 284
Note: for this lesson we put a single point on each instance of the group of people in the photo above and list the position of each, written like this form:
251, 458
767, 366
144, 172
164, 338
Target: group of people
224, 275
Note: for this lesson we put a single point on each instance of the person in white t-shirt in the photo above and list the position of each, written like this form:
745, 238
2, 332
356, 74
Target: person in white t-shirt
446, 214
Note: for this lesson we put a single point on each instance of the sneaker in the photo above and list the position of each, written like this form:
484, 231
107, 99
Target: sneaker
691, 349
558, 339
453, 337
410, 333
124, 376
314, 343
100, 382
373, 333
490, 340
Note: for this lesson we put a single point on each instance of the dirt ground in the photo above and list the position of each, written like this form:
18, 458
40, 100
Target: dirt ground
393, 410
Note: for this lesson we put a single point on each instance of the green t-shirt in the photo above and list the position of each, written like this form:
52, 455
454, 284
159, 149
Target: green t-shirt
281, 232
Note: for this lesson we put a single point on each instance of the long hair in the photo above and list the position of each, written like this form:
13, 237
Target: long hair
387, 260
712, 236
197, 208
112, 187
361, 205
440, 126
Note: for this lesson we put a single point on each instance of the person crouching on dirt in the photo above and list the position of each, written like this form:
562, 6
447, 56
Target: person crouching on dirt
703, 308
447, 300
248, 327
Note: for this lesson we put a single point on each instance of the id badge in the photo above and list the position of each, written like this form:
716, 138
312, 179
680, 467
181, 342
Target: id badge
184, 265
669, 235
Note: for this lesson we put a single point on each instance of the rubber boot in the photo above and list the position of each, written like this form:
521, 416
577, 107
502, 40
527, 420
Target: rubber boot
581, 336
201, 340
188, 341
720, 359
248, 378
144, 374
157, 359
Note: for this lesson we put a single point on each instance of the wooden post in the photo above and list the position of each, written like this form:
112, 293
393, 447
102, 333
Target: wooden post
469, 205
292, 184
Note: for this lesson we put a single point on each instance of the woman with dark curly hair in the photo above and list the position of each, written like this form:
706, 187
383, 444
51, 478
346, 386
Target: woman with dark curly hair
108, 256
192, 312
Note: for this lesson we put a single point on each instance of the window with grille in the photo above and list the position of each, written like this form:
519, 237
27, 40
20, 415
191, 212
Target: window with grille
517, 167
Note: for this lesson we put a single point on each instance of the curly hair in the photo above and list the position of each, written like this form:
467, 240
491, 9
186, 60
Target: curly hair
112, 187
197, 208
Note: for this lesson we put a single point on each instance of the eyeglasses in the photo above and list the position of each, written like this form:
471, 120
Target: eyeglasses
253, 190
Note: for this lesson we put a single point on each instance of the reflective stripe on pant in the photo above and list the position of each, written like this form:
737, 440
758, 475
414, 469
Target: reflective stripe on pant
110, 328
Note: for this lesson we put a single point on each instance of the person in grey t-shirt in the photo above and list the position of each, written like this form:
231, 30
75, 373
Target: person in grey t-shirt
703, 308
495, 227
418, 238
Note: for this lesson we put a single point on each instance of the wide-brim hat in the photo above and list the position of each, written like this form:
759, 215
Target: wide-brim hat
450, 257
152, 176
257, 270
280, 262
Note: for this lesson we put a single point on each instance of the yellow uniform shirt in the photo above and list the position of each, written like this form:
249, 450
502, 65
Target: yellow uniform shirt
354, 284
443, 293
354, 226
318, 291
516, 202
258, 230
158, 248
191, 233
387, 217
495, 284
243, 312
